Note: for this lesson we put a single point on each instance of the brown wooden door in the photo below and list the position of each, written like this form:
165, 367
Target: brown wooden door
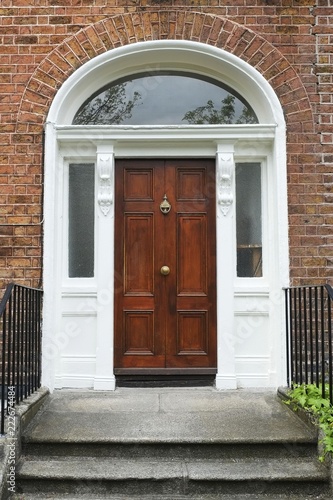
165, 321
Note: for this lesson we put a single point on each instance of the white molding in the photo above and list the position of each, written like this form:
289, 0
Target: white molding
73, 381
157, 55
166, 133
251, 375
104, 377
252, 358
225, 268
252, 292
79, 314
51, 284
226, 381
84, 382
77, 371
79, 358
73, 292
266, 139
105, 383
254, 381
251, 313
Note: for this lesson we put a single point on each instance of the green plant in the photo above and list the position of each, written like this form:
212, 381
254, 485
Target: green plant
310, 398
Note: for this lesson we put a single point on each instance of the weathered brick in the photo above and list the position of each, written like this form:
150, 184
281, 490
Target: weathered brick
43, 44
26, 40
60, 20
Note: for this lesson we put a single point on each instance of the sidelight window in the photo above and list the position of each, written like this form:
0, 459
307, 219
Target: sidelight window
249, 220
81, 220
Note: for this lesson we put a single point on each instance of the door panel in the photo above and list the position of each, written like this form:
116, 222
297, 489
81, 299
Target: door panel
165, 321
138, 331
138, 248
192, 264
138, 184
192, 333
190, 184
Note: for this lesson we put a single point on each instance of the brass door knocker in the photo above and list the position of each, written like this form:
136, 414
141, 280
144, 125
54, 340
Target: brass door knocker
165, 206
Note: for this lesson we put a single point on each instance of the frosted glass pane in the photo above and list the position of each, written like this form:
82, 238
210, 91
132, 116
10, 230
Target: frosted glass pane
165, 99
81, 220
249, 220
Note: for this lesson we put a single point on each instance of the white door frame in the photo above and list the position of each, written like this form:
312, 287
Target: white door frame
238, 299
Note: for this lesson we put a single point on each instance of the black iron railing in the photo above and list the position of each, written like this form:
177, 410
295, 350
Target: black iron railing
20, 345
309, 336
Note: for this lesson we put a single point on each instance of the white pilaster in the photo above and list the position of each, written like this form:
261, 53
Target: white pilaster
51, 280
104, 378
225, 175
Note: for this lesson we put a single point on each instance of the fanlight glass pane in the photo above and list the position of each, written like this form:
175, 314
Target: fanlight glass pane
81, 220
248, 220
165, 99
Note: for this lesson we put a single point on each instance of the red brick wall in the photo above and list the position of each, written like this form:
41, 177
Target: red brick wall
288, 41
323, 232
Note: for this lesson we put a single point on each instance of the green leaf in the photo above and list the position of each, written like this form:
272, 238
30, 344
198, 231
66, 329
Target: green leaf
310, 398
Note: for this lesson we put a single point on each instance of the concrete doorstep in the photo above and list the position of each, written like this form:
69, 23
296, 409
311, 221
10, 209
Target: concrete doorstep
10, 445
169, 443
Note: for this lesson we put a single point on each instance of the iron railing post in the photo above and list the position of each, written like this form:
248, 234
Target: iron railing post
308, 312
20, 330
286, 305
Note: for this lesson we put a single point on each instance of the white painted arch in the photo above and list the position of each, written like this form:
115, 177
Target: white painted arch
174, 55
69, 303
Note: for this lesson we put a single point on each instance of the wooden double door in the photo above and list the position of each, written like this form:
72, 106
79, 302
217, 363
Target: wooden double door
165, 266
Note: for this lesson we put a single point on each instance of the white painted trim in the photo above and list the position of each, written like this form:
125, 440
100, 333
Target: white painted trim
252, 379
226, 381
181, 141
252, 313
226, 369
74, 381
79, 314
156, 55
51, 285
105, 378
179, 133
105, 383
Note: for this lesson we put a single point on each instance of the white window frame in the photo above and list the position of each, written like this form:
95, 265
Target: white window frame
75, 281
248, 282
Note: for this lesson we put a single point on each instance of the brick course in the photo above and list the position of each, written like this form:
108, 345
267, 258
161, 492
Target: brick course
288, 41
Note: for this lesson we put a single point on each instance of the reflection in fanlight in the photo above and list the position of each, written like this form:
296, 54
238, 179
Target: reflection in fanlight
165, 99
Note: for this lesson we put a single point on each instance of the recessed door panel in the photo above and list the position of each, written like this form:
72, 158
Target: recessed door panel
138, 333
192, 254
138, 254
165, 265
191, 184
138, 184
192, 333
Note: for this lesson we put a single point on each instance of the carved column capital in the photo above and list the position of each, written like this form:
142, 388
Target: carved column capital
105, 169
225, 167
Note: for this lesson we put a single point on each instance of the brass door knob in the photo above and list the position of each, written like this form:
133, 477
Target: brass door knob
165, 270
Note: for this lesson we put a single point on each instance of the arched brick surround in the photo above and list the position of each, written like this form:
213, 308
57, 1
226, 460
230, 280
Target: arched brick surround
306, 177
135, 27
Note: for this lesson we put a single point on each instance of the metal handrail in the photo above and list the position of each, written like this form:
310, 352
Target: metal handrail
20, 359
310, 336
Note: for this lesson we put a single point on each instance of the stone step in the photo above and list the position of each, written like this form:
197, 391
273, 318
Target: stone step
197, 477
169, 445
172, 450
90, 496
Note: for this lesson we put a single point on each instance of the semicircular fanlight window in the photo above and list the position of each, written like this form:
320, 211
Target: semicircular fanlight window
165, 99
